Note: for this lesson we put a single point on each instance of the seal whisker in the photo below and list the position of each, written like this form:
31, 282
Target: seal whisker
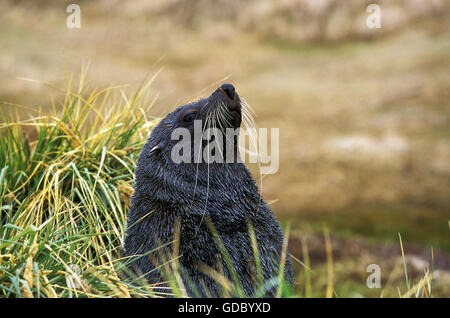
250, 126
247, 105
197, 164
224, 114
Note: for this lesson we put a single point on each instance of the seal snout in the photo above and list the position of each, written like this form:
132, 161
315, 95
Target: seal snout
228, 90
229, 98
232, 99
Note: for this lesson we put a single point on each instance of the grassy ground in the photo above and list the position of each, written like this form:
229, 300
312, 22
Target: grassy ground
364, 138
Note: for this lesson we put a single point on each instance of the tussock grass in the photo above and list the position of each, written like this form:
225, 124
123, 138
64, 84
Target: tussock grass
64, 196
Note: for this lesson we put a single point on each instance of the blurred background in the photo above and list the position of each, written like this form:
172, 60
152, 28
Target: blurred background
363, 113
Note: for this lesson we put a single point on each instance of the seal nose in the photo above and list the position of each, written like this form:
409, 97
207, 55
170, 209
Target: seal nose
228, 89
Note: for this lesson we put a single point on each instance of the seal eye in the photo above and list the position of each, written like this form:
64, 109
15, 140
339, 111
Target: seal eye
189, 117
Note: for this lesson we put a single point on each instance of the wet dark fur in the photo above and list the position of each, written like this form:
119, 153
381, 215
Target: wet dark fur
164, 193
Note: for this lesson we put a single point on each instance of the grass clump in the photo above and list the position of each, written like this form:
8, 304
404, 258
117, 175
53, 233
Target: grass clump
64, 194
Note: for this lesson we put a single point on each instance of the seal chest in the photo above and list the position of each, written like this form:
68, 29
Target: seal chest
195, 199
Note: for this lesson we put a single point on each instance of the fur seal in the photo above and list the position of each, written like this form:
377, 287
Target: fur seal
212, 203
